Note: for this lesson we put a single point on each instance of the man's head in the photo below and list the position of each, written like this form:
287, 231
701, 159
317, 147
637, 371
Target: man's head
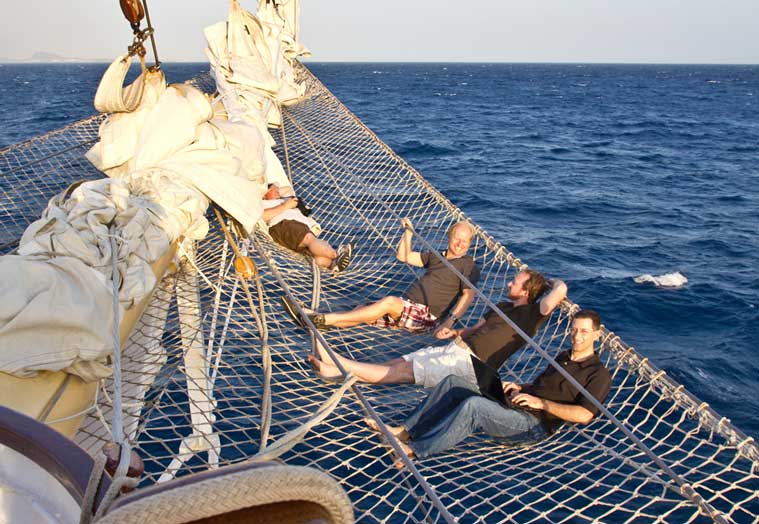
272, 192
586, 329
459, 239
528, 284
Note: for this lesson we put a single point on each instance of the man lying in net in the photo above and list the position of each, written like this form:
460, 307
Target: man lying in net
434, 301
455, 409
492, 340
290, 226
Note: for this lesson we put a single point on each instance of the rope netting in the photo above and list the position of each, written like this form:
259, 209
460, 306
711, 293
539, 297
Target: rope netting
358, 189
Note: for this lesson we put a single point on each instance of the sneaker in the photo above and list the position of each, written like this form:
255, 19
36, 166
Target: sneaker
292, 310
344, 255
317, 319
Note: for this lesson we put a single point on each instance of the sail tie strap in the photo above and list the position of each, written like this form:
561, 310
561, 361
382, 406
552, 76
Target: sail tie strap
112, 96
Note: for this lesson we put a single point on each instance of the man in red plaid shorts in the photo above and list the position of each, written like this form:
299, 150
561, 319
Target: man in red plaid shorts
439, 292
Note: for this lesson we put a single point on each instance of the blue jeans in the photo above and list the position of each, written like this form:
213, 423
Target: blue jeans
455, 409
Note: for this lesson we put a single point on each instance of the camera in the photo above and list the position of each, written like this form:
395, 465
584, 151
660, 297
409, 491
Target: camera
305, 211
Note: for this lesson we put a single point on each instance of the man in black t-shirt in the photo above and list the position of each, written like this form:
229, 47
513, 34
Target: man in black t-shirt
435, 301
456, 408
492, 340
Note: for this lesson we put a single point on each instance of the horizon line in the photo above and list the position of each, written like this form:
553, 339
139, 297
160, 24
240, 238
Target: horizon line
60, 61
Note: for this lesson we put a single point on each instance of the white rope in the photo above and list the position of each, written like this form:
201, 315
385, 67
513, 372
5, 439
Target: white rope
197, 269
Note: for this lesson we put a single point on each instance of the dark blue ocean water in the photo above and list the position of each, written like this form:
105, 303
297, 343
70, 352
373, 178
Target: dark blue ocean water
596, 174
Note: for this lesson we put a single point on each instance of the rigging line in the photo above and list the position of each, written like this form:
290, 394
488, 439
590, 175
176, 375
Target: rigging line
684, 398
152, 35
357, 391
686, 489
48, 157
267, 361
260, 323
215, 317
116, 421
334, 179
284, 146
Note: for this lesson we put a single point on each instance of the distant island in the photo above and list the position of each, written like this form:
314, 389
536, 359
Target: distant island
44, 57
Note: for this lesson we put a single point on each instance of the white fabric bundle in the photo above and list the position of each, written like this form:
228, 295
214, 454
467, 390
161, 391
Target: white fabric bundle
174, 130
75, 224
252, 61
55, 314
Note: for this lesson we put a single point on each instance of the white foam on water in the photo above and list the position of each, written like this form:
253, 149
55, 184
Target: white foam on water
675, 279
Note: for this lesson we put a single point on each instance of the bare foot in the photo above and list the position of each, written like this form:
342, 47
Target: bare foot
323, 355
409, 453
398, 432
323, 369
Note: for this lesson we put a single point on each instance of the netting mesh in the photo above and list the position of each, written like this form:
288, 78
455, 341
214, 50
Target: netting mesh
358, 189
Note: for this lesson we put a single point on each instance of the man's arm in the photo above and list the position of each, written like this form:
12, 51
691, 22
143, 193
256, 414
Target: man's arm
457, 311
290, 203
448, 332
569, 412
549, 302
404, 253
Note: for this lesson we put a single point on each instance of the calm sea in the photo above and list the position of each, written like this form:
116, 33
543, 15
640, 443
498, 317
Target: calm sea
597, 174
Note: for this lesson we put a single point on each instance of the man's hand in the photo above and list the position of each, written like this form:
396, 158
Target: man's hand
510, 388
290, 203
523, 400
446, 332
404, 252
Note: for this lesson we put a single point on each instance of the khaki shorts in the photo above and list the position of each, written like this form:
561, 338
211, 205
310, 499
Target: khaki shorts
433, 363
290, 233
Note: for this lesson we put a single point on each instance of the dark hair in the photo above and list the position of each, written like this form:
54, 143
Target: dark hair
535, 285
594, 317
268, 186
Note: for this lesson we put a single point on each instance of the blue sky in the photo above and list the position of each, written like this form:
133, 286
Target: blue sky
662, 31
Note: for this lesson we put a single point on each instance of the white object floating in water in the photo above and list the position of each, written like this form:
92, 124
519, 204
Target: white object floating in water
675, 279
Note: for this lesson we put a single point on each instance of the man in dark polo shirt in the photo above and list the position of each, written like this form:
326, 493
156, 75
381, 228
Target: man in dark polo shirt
455, 408
492, 340
434, 301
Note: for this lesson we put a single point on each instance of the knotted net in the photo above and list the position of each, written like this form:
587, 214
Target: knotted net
359, 188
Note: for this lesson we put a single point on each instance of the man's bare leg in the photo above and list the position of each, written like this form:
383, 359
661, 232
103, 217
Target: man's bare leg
395, 371
399, 373
392, 306
320, 249
346, 362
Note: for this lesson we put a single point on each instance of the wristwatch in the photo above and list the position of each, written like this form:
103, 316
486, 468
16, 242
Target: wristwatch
454, 318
